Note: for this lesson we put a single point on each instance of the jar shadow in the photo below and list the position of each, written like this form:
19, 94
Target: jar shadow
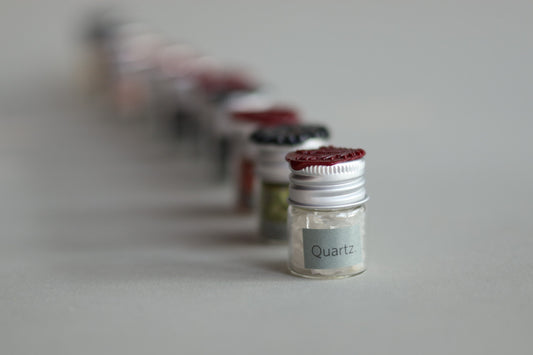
274, 266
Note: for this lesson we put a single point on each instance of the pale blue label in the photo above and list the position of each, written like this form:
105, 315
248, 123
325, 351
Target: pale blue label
332, 248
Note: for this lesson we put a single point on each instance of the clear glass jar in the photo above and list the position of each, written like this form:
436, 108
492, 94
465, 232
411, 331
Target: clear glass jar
273, 211
272, 145
326, 216
245, 122
336, 254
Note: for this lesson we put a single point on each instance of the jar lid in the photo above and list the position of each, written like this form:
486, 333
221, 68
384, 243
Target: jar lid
247, 101
273, 143
288, 135
239, 101
101, 24
328, 177
174, 59
136, 51
227, 80
325, 156
272, 116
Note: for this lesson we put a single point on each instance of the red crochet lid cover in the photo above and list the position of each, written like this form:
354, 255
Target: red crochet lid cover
212, 81
273, 116
330, 155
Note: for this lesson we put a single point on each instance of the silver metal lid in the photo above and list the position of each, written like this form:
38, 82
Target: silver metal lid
329, 186
254, 101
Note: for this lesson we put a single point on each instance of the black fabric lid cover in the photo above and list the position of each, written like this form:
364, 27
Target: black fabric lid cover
289, 134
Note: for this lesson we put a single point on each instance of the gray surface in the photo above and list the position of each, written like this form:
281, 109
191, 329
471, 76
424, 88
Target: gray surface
108, 246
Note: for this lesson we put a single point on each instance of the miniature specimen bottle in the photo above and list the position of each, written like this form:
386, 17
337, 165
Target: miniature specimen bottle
244, 124
272, 144
326, 218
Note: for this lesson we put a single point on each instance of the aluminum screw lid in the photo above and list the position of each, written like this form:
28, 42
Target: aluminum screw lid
328, 177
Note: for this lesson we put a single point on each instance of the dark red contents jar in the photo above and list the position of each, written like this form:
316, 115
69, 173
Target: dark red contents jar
245, 123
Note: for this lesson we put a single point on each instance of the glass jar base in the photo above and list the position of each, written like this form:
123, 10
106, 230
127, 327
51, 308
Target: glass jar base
317, 275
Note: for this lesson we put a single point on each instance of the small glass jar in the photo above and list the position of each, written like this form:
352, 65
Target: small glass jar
272, 144
215, 87
223, 146
244, 124
172, 82
134, 65
326, 216
98, 35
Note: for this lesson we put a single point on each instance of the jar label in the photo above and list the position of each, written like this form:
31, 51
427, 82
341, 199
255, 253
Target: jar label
332, 248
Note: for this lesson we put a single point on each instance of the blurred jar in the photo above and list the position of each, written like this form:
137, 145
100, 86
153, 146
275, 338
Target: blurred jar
273, 144
133, 69
98, 37
244, 123
225, 140
217, 88
172, 85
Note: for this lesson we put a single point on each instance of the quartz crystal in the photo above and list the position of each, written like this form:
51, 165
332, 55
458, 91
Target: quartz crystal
300, 218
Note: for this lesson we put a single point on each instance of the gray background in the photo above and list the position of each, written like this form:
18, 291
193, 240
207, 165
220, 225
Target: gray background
111, 243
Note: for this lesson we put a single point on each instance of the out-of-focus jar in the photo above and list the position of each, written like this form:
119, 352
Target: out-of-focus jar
217, 88
225, 135
133, 67
272, 144
244, 123
99, 32
173, 89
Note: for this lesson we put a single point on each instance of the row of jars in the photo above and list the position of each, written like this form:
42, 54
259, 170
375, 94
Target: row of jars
310, 193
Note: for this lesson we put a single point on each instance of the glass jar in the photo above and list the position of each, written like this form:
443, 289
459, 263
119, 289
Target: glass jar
273, 211
326, 216
245, 122
272, 145
330, 223
225, 141
133, 67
